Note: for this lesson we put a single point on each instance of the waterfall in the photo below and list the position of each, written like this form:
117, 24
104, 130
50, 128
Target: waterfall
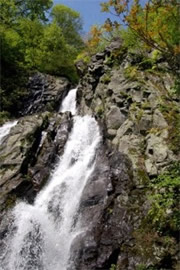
69, 103
42, 234
5, 129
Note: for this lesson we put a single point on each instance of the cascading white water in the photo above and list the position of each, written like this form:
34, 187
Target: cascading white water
42, 233
69, 103
5, 129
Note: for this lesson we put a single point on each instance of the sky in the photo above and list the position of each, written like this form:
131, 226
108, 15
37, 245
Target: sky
90, 11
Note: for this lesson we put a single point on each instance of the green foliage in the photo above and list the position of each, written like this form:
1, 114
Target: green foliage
157, 236
156, 55
83, 56
176, 87
156, 24
141, 267
130, 39
12, 10
31, 33
70, 23
113, 267
28, 44
33, 9
106, 78
131, 72
164, 212
57, 57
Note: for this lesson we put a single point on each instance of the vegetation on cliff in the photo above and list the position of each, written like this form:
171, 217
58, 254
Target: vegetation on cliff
136, 70
153, 26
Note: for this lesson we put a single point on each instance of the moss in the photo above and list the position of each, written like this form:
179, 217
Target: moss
146, 105
134, 106
106, 78
10, 201
139, 115
176, 86
124, 94
154, 130
99, 110
131, 72
113, 267
142, 175
110, 210
132, 151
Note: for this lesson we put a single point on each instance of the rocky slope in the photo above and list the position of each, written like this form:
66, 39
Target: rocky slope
132, 100
139, 115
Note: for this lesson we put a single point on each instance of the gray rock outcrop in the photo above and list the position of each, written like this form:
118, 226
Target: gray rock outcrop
29, 153
132, 107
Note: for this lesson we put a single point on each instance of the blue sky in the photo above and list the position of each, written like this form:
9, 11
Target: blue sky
90, 11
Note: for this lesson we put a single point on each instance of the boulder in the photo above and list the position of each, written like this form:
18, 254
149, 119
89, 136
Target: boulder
115, 118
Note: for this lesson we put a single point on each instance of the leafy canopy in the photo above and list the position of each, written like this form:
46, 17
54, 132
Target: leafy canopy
70, 23
156, 24
30, 42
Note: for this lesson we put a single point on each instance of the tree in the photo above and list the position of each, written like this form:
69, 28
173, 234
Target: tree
156, 24
70, 23
33, 9
31, 33
29, 43
12, 10
57, 57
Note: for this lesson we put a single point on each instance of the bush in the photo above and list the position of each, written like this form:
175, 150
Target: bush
164, 212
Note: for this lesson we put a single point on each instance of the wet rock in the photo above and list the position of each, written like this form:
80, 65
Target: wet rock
29, 153
106, 217
45, 93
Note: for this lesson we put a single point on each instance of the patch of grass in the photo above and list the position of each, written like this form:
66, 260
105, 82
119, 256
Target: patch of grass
131, 72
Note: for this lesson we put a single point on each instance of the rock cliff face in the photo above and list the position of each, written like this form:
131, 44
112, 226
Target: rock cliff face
137, 111
45, 93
